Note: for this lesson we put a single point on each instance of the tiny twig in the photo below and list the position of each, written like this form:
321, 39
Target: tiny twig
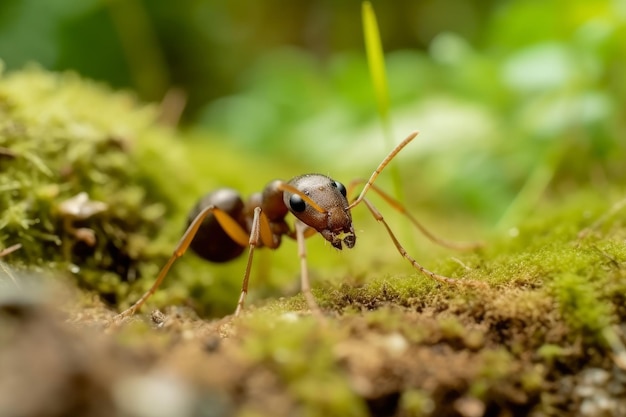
4, 267
460, 262
602, 219
4, 252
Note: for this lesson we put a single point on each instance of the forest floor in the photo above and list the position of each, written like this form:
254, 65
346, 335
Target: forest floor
544, 337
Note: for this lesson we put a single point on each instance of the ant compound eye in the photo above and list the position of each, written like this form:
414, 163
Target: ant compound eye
340, 187
296, 203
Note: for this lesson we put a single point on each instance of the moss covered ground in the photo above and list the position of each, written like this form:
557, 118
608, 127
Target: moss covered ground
93, 191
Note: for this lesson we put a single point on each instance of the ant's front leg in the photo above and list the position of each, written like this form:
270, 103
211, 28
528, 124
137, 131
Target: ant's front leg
302, 232
396, 205
232, 228
379, 217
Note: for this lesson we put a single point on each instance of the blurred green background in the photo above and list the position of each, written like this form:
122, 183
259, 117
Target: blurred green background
513, 98
516, 101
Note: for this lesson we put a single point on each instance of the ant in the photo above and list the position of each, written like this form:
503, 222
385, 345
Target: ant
221, 225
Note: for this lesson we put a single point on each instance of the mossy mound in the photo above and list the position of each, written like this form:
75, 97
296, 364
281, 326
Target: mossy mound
78, 189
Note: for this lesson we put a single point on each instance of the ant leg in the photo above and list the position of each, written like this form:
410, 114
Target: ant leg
301, 230
416, 265
253, 241
260, 229
395, 204
232, 228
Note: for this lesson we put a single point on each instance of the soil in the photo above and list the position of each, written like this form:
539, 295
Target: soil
368, 357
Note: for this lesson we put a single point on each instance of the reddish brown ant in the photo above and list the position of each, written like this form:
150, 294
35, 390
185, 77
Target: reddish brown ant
221, 225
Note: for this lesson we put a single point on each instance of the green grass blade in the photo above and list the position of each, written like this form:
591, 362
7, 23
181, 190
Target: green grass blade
376, 63
534, 187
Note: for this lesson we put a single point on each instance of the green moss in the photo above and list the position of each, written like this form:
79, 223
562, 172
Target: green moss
63, 136
300, 350
415, 403
581, 305
451, 328
550, 352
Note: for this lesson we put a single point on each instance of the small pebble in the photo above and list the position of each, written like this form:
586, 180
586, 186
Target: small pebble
154, 395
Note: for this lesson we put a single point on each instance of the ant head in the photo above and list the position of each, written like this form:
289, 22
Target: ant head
323, 206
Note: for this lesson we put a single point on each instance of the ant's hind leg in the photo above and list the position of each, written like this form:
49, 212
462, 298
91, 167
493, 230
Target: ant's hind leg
253, 241
301, 234
230, 226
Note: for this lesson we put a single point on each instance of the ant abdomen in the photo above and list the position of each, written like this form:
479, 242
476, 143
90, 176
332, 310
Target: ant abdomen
212, 242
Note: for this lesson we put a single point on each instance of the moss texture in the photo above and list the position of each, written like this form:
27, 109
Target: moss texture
84, 181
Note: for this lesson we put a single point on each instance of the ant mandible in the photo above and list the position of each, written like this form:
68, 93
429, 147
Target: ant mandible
221, 225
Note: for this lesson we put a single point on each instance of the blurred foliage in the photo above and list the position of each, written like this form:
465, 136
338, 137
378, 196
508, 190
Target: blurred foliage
204, 46
511, 97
